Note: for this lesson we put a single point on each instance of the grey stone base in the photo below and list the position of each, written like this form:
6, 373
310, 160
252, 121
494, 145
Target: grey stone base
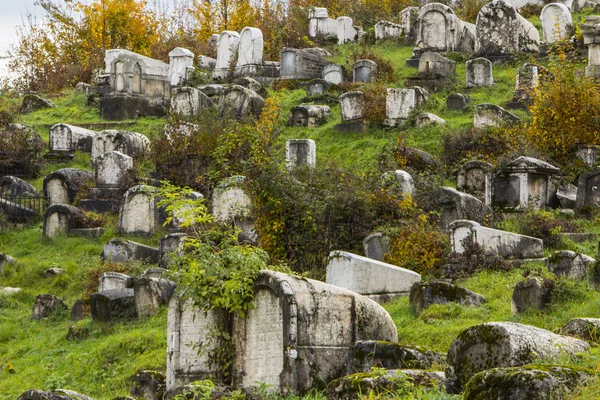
412, 62
351, 127
91, 233
121, 107
59, 156
431, 84
100, 206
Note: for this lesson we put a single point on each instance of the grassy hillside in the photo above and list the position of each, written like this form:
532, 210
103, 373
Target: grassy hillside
36, 354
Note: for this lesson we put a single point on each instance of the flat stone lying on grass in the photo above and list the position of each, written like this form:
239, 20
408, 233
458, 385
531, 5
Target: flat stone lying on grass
367, 276
570, 264
33, 102
52, 272
525, 383
426, 119
45, 305
582, 328
369, 353
9, 291
503, 344
462, 206
492, 115
58, 394
505, 244
69, 138
14, 186
424, 294
531, 293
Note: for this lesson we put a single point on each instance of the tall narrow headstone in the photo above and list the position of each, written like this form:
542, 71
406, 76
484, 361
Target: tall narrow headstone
479, 73
557, 23
226, 52
300, 152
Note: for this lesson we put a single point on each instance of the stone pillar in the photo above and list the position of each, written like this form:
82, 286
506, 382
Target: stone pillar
591, 36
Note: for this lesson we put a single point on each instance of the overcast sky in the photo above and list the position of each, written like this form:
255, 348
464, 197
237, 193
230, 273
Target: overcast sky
11, 13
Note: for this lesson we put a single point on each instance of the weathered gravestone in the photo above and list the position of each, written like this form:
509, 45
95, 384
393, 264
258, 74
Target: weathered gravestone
369, 277
503, 344
492, 115
426, 119
207, 63
299, 333
231, 204
59, 219
352, 110
319, 23
132, 144
435, 71
148, 385
557, 23
588, 191
139, 213
302, 63
64, 185
46, 304
408, 21
347, 31
399, 103
376, 246
112, 305
457, 102
571, 264
119, 250
151, 292
239, 103
66, 139
460, 206
502, 31
316, 87
386, 29
170, 247
531, 293
479, 72
332, 73
114, 172
114, 281
309, 115
250, 53
504, 244
528, 78
300, 153
189, 102
424, 294
364, 71
181, 66
226, 52
439, 29
474, 178
399, 183
33, 102
588, 154
525, 182
591, 36
14, 186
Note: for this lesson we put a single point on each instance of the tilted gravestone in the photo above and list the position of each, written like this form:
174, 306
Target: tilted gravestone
64, 185
557, 23
588, 191
479, 72
14, 186
316, 87
139, 213
66, 139
132, 144
239, 103
457, 102
502, 31
376, 246
299, 333
399, 183
118, 250
364, 71
300, 153
346, 31
59, 219
492, 115
170, 247
226, 52
458, 205
189, 102
426, 119
150, 293
332, 73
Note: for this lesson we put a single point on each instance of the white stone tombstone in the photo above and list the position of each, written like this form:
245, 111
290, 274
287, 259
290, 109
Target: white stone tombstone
319, 23
439, 29
70, 138
557, 23
139, 213
502, 243
181, 64
364, 71
114, 281
398, 182
346, 31
250, 53
112, 168
479, 73
501, 30
332, 73
226, 53
367, 276
62, 186
400, 103
298, 333
230, 202
300, 152
352, 106
189, 102
386, 29
59, 219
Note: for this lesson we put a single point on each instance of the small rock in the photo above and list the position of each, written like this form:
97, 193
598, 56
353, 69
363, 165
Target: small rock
77, 333
32, 102
424, 294
583, 328
9, 291
417, 159
46, 304
531, 293
81, 87
570, 264
426, 119
525, 383
6, 260
52, 272
149, 385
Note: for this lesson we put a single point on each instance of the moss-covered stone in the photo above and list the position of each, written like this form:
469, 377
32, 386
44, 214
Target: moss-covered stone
532, 382
424, 294
583, 328
372, 353
379, 382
